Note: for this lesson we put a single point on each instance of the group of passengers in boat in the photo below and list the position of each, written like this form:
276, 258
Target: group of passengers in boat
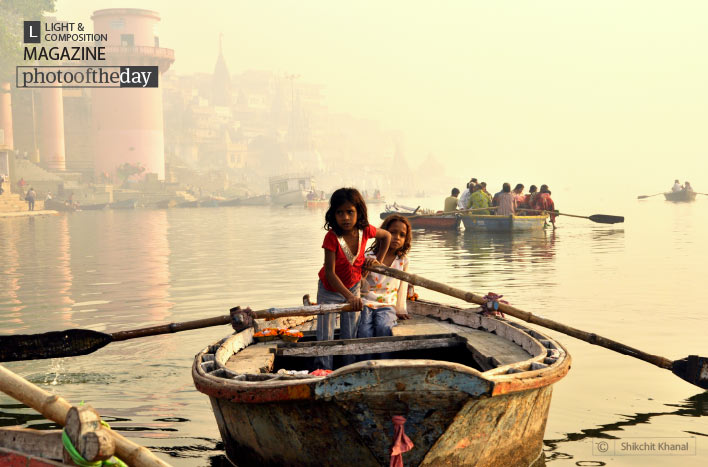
678, 187
507, 202
377, 301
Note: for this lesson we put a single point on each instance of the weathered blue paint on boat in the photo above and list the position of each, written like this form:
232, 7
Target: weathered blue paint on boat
493, 223
429, 378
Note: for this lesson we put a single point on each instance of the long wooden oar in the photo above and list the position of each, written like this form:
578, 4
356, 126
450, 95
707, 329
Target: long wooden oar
693, 368
73, 342
599, 218
55, 408
649, 196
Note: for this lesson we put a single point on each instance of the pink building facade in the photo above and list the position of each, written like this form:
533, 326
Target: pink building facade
128, 122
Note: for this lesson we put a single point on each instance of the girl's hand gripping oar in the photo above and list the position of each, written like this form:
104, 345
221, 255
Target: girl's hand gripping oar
693, 368
73, 342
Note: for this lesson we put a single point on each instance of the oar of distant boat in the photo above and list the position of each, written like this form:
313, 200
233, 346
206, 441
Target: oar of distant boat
657, 194
692, 368
649, 196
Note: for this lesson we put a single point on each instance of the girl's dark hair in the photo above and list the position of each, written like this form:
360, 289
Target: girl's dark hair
519, 186
544, 189
340, 197
374, 248
533, 189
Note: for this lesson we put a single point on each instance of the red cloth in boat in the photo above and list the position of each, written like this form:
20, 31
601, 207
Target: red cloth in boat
401, 442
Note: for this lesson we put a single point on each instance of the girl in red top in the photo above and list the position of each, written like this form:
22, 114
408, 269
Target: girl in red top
344, 244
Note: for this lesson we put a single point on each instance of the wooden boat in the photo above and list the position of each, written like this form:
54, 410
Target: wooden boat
474, 390
125, 204
422, 221
316, 203
165, 204
260, 200
492, 223
188, 204
680, 196
22, 446
57, 205
290, 189
93, 207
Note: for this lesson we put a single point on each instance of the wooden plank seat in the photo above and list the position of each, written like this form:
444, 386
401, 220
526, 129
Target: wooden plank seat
368, 345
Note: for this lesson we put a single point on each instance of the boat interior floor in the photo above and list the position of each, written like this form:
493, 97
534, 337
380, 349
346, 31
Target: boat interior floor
420, 337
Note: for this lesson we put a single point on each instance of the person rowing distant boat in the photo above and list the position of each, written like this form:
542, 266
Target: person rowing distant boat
451, 201
677, 186
687, 186
544, 202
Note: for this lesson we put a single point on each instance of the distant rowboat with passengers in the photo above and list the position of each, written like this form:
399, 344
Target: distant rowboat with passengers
680, 196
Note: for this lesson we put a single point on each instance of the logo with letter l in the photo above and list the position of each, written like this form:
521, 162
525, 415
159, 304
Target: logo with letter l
32, 31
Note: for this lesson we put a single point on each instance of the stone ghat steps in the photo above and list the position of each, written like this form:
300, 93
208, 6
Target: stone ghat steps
12, 202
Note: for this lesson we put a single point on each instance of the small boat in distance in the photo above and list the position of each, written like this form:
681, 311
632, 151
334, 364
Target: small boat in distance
423, 218
473, 390
125, 204
680, 196
93, 207
493, 223
290, 189
58, 205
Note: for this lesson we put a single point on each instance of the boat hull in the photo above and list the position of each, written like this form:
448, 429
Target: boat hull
428, 222
54, 205
317, 203
680, 196
503, 223
455, 414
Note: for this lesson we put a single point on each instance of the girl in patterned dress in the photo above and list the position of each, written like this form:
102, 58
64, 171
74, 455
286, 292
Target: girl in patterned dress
344, 245
385, 300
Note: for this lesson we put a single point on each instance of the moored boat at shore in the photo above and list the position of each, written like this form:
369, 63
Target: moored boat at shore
125, 204
492, 223
57, 205
474, 390
680, 196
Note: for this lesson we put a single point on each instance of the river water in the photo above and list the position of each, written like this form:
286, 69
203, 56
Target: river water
640, 282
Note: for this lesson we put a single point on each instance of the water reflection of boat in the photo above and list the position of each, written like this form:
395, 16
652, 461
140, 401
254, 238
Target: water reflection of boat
450, 371
694, 406
290, 189
680, 196
492, 223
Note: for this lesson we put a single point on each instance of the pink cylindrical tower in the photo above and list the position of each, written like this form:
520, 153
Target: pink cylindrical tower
6, 116
127, 122
51, 129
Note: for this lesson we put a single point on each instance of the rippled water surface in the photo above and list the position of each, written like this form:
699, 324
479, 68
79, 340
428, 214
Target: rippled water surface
642, 283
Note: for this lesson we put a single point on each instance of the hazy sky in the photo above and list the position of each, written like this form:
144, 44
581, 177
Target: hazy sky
571, 91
